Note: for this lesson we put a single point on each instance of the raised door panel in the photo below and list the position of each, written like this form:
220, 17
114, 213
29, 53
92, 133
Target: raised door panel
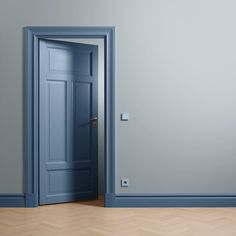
56, 121
82, 114
60, 60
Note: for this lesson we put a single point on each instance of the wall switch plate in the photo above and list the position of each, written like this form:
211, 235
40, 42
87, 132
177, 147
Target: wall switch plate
124, 182
124, 116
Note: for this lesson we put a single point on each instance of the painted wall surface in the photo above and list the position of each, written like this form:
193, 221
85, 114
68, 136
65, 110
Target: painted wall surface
175, 75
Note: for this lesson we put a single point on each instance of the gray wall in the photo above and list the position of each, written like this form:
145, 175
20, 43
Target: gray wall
175, 75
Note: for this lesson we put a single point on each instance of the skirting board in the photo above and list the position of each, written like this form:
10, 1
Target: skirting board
112, 200
12, 200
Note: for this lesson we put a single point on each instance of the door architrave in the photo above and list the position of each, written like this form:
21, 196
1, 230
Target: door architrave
31, 104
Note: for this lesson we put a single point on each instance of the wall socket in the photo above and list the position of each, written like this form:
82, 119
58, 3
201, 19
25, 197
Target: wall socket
124, 182
124, 116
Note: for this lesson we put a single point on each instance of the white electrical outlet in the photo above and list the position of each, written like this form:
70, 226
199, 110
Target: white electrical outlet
124, 182
124, 116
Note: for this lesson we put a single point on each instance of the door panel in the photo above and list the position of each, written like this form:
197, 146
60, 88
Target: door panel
68, 141
60, 59
56, 121
64, 181
82, 114
84, 62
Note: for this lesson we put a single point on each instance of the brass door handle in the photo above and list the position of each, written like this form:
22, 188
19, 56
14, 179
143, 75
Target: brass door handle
93, 121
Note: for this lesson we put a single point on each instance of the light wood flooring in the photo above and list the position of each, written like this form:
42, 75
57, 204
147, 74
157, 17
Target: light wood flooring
91, 219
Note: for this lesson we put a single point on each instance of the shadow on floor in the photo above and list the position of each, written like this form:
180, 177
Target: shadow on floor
97, 202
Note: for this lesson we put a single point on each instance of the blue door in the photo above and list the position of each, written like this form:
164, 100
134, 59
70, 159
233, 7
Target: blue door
68, 108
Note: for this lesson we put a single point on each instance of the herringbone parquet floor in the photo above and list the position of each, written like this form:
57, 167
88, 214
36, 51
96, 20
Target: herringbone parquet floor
91, 219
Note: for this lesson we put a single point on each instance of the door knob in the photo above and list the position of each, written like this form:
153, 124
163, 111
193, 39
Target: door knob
93, 121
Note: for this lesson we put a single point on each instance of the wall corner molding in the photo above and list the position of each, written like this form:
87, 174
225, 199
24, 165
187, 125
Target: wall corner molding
30, 200
109, 199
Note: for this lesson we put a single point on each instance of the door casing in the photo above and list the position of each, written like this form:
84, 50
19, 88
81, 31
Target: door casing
31, 108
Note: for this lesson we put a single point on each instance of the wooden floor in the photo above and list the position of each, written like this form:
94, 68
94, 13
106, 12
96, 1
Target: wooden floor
90, 218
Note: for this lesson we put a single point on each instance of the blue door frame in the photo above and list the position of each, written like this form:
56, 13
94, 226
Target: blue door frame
31, 147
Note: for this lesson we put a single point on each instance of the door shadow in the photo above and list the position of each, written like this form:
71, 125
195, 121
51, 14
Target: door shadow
94, 202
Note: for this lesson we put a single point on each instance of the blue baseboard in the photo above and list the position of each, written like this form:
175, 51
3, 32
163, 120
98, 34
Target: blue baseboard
112, 200
12, 200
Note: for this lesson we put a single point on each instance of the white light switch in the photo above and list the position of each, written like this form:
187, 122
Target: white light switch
124, 116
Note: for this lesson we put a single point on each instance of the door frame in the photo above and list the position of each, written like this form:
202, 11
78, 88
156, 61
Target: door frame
32, 34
